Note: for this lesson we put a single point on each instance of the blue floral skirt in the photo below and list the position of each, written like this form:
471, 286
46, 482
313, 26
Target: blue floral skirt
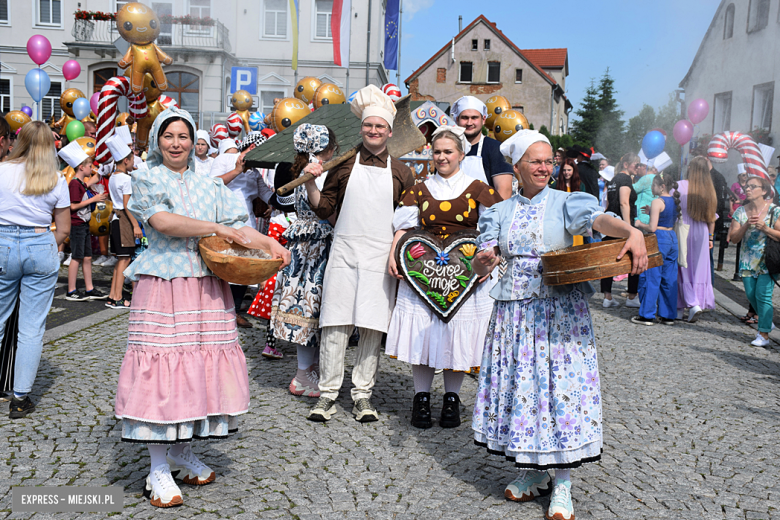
539, 397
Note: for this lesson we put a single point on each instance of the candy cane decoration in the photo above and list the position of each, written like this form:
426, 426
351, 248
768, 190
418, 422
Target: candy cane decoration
107, 111
718, 152
167, 101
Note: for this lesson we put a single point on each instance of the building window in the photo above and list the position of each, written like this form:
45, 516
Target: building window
49, 12
474, 45
758, 15
50, 104
166, 29
4, 17
518, 75
267, 100
322, 14
728, 22
441, 75
763, 96
99, 77
519, 108
465, 72
494, 72
200, 8
275, 19
119, 4
184, 87
721, 114
487, 45
5, 96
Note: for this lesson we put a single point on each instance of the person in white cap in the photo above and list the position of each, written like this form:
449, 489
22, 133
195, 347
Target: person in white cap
539, 334
643, 186
202, 159
358, 291
484, 161
124, 228
80, 214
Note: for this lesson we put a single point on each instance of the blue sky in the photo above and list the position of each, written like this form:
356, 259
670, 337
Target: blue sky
647, 45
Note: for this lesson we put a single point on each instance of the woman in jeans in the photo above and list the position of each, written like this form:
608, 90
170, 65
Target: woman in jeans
753, 222
31, 190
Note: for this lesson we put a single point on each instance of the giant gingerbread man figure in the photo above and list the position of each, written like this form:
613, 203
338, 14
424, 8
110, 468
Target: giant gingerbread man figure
138, 24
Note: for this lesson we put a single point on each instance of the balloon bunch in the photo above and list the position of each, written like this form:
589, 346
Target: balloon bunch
36, 81
697, 112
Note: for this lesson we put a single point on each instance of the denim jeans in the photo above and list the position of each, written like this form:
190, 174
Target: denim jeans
28, 267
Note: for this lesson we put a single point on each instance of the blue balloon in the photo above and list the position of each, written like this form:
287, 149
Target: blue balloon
653, 144
81, 108
37, 83
256, 121
351, 97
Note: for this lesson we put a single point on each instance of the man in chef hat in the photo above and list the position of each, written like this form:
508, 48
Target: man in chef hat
358, 291
484, 161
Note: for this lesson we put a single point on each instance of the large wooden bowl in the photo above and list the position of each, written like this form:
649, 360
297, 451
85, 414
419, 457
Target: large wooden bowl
235, 269
594, 261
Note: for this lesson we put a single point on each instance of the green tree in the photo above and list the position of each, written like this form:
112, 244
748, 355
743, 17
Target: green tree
610, 137
638, 126
585, 129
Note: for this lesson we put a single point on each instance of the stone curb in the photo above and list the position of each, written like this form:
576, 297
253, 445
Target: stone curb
81, 324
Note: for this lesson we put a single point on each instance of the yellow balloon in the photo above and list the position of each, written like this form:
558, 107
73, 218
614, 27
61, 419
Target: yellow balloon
287, 112
306, 88
495, 105
328, 94
138, 25
508, 123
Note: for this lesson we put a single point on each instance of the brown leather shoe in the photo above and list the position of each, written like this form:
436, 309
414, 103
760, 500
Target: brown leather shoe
243, 322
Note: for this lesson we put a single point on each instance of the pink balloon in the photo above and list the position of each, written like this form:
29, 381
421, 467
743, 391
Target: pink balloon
698, 110
71, 69
93, 102
683, 131
39, 49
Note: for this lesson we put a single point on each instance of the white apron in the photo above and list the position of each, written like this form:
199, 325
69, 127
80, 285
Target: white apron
356, 289
472, 164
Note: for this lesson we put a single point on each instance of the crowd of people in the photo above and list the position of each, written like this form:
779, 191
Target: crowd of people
184, 374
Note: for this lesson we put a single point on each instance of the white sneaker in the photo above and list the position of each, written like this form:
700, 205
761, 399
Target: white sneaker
67, 261
99, 260
161, 489
111, 262
610, 303
633, 302
760, 341
61, 256
694, 313
190, 469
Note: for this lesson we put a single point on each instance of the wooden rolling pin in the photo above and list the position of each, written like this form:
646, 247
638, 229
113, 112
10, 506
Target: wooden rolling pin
287, 188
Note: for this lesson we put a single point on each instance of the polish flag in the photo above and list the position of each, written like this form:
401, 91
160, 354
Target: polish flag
340, 27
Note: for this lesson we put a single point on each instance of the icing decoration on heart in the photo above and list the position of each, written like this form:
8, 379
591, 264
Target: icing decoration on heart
439, 270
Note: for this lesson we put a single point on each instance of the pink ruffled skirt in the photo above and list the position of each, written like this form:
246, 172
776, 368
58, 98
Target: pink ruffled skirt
184, 374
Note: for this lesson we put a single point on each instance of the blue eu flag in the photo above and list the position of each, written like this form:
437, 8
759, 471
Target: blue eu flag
391, 34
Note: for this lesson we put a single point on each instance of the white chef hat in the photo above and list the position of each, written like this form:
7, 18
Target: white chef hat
459, 131
124, 133
73, 154
203, 134
766, 152
371, 101
660, 163
118, 148
468, 103
608, 173
227, 144
516, 145
597, 157
741, 168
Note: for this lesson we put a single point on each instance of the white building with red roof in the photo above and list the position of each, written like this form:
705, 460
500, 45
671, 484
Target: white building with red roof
481, 61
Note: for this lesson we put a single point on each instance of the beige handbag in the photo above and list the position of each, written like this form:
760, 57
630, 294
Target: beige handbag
682, 230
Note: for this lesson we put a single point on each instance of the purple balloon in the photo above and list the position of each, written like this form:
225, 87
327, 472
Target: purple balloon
39, 49
71, 69
93, 102
27, 110
683, 131
698, 110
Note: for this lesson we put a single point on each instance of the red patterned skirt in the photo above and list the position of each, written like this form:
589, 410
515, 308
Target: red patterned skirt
261, 305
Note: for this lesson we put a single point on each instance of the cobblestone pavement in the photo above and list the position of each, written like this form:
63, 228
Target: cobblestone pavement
691, 429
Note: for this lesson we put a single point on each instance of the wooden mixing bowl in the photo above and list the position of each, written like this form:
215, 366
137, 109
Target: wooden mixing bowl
235, 269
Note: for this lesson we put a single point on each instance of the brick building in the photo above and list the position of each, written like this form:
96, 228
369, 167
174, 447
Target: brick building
481, 61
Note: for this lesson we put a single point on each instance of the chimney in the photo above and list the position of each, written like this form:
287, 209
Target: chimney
460, 24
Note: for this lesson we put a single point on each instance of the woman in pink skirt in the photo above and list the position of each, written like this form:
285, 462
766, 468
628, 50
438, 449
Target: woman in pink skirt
184, 374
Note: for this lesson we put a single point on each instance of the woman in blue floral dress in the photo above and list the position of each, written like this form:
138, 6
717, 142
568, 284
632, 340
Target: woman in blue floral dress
539, 397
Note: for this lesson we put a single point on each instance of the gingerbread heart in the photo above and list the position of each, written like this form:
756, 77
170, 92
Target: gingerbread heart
439, 271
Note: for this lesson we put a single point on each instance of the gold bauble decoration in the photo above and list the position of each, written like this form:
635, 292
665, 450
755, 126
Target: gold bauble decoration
306, 88
287, 112
495, 105
17, 119
508, 123
328, 94
241, 100
137, 23
101, 217
68, 97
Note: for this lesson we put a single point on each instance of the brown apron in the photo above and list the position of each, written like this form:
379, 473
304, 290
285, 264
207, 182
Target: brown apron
125, 229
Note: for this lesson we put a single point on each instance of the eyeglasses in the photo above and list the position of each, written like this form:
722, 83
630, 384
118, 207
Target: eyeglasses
753, 186
537, 164
369, 126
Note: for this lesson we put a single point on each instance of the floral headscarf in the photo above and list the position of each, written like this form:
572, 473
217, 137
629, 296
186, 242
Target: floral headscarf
154, 156
311, 139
